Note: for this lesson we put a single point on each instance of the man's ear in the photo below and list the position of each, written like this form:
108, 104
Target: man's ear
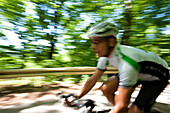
112, 42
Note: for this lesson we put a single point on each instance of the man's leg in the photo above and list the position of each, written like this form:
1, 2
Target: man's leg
147, 96
134, 109
109, 87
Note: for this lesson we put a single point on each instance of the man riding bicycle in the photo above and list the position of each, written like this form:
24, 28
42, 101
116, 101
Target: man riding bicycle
135, 67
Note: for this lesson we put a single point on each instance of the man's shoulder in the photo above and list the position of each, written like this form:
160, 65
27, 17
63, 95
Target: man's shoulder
128, 49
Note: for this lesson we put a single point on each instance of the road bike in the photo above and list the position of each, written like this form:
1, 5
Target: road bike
86, 105
83, 105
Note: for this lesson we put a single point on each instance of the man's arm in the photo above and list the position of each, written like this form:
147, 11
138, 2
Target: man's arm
90, 83
122, 100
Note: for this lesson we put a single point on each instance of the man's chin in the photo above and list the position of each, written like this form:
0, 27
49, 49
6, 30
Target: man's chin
99, 55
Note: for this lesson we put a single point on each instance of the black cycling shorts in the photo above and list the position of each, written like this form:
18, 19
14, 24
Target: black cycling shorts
150, 90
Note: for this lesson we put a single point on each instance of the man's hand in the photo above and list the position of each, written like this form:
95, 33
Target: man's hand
70, 101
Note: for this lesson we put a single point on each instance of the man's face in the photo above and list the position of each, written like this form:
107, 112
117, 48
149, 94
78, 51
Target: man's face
100, 46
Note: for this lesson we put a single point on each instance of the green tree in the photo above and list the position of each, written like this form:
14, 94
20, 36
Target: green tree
62, 24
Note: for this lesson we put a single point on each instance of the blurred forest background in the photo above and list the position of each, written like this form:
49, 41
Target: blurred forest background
52, 33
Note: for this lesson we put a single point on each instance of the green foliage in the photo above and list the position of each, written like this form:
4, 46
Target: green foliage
61, 25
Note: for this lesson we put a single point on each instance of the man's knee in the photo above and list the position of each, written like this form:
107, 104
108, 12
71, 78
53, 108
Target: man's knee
105, 91
110, 86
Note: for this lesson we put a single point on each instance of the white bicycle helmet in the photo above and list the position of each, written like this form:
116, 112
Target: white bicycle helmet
102, 29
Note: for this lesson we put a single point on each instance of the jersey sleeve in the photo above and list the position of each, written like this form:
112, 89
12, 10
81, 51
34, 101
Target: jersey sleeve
128, 75
103, 63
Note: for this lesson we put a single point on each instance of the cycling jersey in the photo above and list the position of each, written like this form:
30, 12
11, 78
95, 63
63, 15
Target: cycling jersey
134, 65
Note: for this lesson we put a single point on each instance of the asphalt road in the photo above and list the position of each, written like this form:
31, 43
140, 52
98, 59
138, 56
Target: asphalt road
46, 101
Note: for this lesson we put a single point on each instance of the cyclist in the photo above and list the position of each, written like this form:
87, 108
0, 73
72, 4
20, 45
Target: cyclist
135, 67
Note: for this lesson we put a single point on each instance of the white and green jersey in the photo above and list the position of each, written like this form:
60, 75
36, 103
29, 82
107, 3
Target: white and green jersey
134, 64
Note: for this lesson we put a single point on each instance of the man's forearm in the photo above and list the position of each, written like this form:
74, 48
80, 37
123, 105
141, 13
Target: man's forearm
87, 87
90, 83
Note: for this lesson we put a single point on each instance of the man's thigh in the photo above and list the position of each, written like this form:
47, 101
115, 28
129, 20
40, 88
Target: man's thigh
148, 94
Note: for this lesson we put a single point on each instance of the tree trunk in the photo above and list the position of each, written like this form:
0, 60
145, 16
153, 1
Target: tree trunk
127, 23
